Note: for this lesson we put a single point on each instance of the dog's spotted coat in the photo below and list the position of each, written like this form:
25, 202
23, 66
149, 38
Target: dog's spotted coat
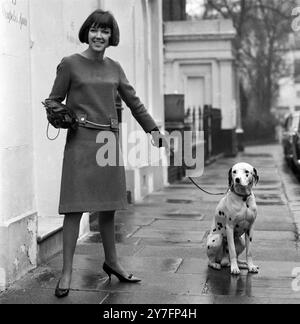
234, 218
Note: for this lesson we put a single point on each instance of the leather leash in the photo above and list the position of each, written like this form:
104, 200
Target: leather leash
207, 192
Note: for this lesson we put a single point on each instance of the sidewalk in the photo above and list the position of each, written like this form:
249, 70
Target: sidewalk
162, 240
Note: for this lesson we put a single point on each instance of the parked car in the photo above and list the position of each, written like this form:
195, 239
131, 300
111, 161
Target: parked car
291, 140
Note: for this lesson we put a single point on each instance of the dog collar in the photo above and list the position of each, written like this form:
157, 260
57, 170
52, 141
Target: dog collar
245, 197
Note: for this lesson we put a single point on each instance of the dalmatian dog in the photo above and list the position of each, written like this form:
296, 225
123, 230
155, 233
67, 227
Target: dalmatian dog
232, 229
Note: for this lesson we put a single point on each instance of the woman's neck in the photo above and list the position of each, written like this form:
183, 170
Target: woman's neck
92, 55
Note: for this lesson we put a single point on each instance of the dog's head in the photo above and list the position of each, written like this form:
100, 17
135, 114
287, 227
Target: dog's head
242, 177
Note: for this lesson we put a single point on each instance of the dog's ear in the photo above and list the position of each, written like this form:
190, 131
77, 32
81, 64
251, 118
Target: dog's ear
230, 180
256, 177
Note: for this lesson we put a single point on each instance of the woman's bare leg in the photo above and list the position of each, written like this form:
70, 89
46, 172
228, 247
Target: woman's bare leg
70, 237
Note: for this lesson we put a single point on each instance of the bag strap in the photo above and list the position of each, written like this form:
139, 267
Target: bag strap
47, 133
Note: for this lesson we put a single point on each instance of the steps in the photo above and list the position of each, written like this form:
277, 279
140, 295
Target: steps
50, 235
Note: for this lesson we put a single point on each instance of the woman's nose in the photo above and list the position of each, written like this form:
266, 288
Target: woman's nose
99, 34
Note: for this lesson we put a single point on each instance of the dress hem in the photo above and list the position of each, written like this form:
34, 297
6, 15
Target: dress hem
71, 208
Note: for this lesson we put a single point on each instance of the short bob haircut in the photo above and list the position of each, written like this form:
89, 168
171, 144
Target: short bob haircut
100, 18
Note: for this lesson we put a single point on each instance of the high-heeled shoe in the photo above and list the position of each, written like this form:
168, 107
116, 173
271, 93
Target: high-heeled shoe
61, 293
110, 271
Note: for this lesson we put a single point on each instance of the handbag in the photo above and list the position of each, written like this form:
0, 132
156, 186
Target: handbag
59, 116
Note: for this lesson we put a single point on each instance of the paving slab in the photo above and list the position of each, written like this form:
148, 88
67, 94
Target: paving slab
170, 235
267, 269
198, 251
141, 264
245, 300
185, 225
160, 298
275, 235
96, 249
264, 225
38, 296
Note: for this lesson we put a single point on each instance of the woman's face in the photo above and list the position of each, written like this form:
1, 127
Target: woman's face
99, 38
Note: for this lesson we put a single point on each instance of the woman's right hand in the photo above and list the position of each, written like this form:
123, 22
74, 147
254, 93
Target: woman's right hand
160, 140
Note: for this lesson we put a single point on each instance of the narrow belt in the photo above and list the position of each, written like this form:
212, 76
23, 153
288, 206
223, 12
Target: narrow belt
83, 122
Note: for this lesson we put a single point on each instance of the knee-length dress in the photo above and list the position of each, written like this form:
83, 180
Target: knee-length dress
91, 87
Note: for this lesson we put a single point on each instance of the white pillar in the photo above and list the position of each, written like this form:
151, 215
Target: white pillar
228, 103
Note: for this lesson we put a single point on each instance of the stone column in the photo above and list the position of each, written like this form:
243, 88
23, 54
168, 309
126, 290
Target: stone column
228, 107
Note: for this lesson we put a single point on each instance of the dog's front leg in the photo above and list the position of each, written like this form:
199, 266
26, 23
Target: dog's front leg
232, 251
249, 237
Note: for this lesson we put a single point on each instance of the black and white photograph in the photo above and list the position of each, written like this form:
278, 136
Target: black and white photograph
150, 154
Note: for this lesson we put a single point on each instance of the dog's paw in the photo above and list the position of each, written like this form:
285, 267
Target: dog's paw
215, 266
235, 270
253, 268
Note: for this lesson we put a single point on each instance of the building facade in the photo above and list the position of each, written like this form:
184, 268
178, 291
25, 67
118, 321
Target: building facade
35, 35
199, 63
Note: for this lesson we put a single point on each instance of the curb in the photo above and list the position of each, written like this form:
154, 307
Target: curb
294, 208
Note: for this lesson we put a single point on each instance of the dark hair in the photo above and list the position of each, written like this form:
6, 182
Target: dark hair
100, 18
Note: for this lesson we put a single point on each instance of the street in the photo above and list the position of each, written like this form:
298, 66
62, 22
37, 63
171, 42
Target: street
163, 241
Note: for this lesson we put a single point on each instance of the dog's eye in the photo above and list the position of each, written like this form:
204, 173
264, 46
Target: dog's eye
234, 172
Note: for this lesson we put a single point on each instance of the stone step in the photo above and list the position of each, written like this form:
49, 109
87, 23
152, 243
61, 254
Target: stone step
50, 235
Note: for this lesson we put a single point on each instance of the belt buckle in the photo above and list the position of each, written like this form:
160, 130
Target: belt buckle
82, 118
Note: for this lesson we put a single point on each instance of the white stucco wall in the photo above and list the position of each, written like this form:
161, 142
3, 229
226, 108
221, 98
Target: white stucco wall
16, 147
17, 204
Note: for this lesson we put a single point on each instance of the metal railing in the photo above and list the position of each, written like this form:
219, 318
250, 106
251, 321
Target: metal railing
208, 120
196, 119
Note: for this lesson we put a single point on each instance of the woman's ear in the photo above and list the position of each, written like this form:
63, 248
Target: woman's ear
230, 180
256, 177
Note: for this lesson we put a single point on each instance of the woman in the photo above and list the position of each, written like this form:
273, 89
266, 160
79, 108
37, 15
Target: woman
91, 81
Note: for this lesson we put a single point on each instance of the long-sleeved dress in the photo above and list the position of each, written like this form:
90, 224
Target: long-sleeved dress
90, 87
